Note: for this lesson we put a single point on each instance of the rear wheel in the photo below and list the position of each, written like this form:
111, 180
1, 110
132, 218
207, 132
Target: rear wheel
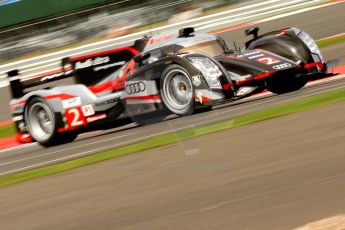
42, 124
286, 84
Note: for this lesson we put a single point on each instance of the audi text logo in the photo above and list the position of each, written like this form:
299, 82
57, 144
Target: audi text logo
136, 87
282, 66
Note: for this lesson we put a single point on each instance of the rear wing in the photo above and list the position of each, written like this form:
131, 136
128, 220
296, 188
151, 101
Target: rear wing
18, 86
87, 69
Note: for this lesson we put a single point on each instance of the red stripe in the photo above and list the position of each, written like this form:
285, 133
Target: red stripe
264, 75
203, 98
145, 98
129, 48
4, 123
227, 86
310, 65
338, 69
62, 96
23, 138
244, 81
9, 142
109, 86
232, 28
19, 103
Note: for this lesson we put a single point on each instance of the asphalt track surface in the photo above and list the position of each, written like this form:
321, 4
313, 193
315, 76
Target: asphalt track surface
248, 178
31, 156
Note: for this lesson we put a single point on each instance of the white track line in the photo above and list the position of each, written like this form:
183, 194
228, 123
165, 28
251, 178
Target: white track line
89, 151
287, 15
23, 146
66, 149
269, 10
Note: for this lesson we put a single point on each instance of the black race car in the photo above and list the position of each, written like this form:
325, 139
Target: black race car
178, 74
173, 73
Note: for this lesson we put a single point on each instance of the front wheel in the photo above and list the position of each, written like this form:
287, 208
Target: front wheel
42, 124
286, 84
177, 91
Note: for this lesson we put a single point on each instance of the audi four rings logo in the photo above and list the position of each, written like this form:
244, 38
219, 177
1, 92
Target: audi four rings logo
136, 87
282, 66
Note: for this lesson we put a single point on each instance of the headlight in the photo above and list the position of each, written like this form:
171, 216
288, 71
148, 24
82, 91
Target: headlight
309, 41
209, 70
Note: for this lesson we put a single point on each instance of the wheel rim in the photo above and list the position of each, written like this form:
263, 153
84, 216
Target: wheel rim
40, 122
178, 90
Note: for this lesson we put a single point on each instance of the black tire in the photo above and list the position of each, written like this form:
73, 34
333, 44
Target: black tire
177, 91
42, 124
286, 84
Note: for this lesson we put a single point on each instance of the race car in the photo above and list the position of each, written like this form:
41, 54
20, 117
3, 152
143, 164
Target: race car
174, 73
181, 73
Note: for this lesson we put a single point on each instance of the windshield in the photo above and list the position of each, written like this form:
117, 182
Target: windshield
209, 48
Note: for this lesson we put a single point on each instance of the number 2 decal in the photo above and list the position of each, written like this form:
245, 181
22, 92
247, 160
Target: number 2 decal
268, 60
74, 117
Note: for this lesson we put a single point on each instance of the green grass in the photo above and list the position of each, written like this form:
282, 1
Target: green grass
170, 138
7, 131
331, 41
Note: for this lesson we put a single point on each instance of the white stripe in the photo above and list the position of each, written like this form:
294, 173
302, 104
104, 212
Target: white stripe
66, 149
253, 14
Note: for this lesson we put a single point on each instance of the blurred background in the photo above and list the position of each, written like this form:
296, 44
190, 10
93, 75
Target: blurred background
31, 26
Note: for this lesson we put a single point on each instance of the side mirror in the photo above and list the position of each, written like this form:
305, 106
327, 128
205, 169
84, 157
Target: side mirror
141, 57
252, 31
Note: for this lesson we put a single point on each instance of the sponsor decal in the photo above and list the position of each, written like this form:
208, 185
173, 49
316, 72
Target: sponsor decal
98, 68
91, 62
282, 66
196, 80
136, 87
199, 96
251, 53
72, 102
268, 60
75, 117
244, 90
163, 38
95, 118
57, 75
106, 102
256, 56
88, 110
